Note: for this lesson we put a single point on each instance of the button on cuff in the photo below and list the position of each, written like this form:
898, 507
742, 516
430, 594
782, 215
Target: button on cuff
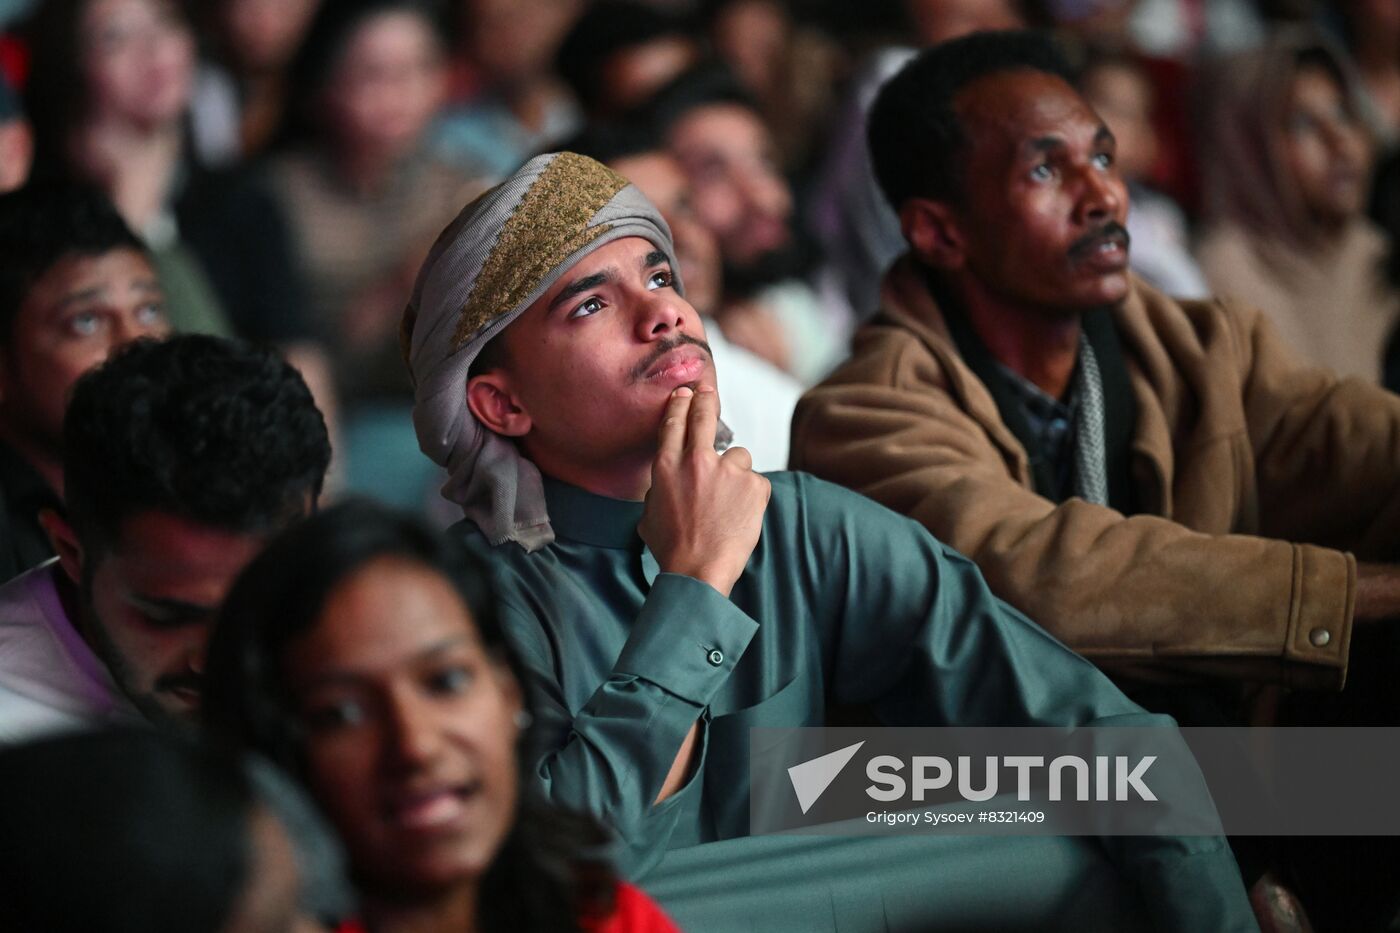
715, 657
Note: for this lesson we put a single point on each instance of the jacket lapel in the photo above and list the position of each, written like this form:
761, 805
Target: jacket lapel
1152, 463
907, 304
1132, 405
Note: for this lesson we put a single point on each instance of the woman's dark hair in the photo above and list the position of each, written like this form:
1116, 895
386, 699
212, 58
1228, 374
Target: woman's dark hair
604, 29
708, 84
332, 27
55, 95
550, 869
1385, 211
122, 830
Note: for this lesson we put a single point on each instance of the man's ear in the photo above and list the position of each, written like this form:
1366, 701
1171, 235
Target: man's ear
491, 401
65, 544
934, 232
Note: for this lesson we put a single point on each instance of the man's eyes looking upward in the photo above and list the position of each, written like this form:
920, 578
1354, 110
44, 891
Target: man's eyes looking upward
586, 307
83, 324
149, 315
89, 323
661, 278
1048, 170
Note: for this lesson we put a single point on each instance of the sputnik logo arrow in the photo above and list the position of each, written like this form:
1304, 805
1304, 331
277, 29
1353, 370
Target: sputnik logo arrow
811, 778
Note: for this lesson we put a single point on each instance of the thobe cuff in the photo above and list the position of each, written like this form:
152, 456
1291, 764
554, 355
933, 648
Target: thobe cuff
686, 639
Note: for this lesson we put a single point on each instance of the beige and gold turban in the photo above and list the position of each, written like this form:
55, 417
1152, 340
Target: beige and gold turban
503, 252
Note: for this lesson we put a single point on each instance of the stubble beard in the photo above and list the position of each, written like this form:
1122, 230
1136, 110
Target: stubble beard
146, 703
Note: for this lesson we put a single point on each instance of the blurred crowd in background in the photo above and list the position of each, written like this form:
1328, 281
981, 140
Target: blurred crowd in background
290, 162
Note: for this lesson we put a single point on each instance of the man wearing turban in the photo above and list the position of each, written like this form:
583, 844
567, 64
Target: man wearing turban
666, 599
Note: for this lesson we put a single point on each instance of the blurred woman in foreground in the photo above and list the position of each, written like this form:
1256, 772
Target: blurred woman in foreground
362, 652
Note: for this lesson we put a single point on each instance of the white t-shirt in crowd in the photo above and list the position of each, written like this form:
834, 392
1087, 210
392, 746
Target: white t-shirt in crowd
756, 400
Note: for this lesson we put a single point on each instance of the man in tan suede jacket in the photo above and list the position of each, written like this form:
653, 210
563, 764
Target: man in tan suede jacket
1161, 484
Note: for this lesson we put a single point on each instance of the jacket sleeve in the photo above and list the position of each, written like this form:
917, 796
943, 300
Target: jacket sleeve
610, 759
1142, 594
945, 651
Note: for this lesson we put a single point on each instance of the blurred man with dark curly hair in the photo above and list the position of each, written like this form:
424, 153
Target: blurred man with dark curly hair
180, 458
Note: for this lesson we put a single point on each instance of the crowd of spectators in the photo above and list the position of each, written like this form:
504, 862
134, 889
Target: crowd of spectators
288, 163
271, 176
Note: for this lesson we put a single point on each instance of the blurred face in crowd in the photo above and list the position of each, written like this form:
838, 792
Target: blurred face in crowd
658, 176
515, 40
1041, 220
410, 729
938, 21
263, 34
1325, 152
138, 56
592, 363
1100, 22
752, 36
150, 598
737, 189
79, 311
632, 75
16, 153
387, 85
1122, 95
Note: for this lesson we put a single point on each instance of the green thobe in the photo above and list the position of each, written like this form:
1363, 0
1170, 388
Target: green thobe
842, 602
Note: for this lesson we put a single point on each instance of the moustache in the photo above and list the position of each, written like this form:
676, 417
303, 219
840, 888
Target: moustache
639, 371
1112, 230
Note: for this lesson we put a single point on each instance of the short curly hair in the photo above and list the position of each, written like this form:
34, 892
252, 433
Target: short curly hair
914, 133
215, 431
